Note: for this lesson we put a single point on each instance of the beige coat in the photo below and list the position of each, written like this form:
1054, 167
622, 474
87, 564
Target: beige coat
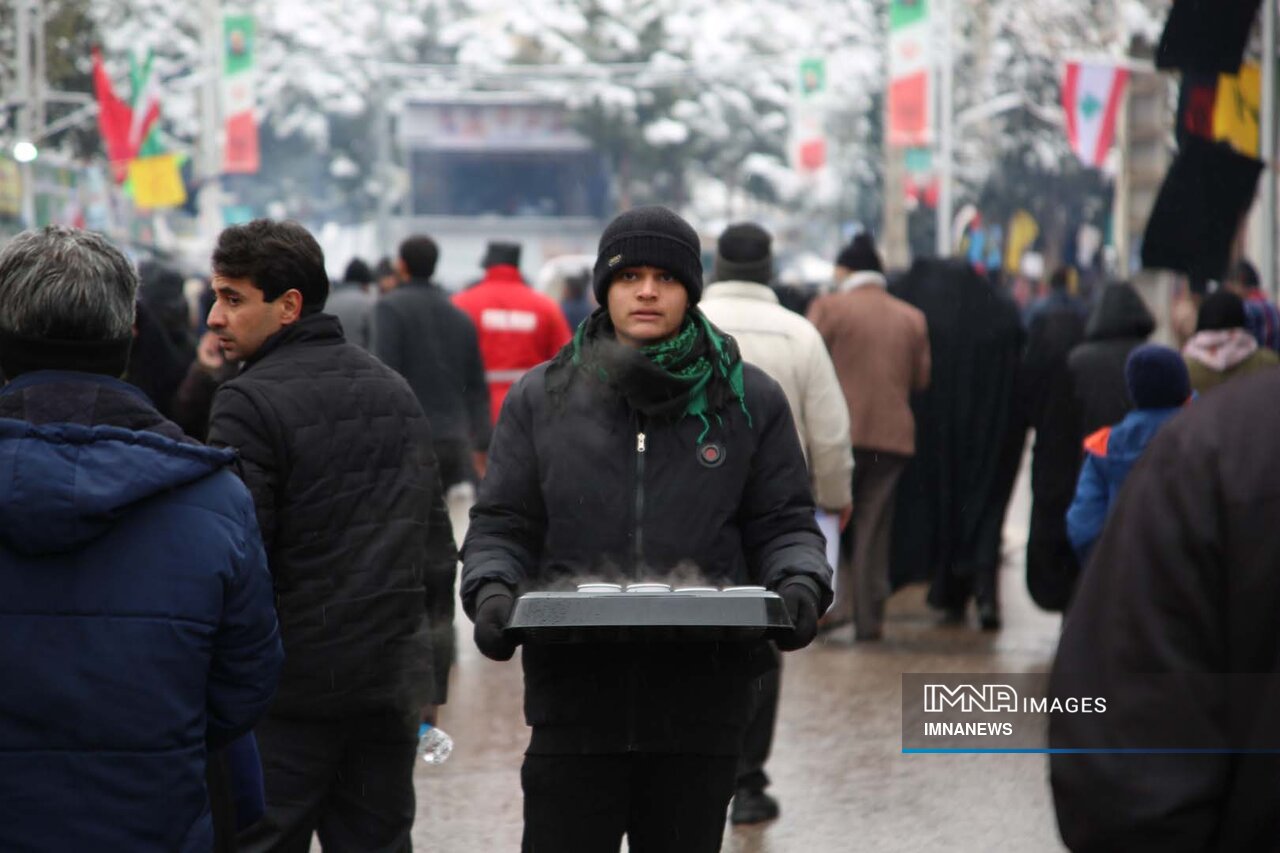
880, 347
787, 347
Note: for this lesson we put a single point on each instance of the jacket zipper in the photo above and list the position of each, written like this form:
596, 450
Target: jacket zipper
638, 556
636, 562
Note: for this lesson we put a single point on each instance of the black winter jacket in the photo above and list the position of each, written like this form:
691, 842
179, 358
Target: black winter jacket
419, 333
588, 489
1119, 322
1175, 625
337, 453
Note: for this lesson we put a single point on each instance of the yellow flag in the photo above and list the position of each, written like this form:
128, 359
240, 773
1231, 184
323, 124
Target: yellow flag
1239, 104
1022, 232
157, 181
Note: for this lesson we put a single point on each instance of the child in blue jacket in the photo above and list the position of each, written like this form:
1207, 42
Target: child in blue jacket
1158, 386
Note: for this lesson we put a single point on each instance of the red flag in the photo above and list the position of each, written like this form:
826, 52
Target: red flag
114, 120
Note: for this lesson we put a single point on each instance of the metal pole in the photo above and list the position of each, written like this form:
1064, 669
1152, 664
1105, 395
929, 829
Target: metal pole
945, 153
382, 128
26, 113
1268, 259
210, 201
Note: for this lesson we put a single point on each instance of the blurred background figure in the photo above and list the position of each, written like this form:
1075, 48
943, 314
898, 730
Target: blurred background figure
954, 491
1222, 347
1119, 323
577, 303
1262, 318
880, 347
517, 327
352, 300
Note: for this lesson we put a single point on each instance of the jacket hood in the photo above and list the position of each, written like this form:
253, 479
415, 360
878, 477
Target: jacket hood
1120, 313
66, 484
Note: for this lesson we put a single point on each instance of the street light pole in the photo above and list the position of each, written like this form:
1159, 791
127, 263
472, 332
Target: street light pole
210, 201
26, 125
945, 131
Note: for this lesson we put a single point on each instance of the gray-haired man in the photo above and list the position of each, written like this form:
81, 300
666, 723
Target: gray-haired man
137, 613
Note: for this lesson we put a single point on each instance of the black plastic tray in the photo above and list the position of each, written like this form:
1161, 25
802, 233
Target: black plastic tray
586, 617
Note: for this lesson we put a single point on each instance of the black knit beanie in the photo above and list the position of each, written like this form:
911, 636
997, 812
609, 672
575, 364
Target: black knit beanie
860, 255
652, 237
1157, 377
1221, 310
744, 253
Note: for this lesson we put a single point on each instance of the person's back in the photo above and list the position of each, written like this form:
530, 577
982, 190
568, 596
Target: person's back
1119, 322
1174, 624
1262, 318
137, 630
419, 333
352, 303
1222, 348
1158, 383
351, 519
517, 327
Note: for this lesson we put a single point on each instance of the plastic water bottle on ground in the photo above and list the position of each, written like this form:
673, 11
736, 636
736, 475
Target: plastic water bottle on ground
434, 745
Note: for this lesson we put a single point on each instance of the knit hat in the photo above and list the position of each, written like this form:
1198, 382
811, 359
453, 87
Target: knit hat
1157, 377
744, 253
1221, 310
654, 237
860, 255
501, 254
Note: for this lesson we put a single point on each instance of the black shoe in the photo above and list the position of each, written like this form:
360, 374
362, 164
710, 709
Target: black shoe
750, 806
989, 615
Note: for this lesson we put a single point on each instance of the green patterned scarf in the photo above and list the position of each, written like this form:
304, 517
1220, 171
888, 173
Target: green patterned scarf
695, 374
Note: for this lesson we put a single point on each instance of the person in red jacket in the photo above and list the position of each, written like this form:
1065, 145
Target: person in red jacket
518, 327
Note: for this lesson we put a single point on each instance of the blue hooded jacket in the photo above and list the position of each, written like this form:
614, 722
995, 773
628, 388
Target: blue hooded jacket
137, 627
1109, 455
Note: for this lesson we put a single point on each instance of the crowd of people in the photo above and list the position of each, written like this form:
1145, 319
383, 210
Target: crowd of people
229, 571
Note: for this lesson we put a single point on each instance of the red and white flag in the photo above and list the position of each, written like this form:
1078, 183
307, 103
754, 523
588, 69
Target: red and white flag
1091, 98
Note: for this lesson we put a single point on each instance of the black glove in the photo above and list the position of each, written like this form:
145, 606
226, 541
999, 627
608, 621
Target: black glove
802, 606
493, 610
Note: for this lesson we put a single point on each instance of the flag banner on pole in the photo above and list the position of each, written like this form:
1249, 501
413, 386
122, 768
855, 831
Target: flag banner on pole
1206, 35
239, 95
1238, 109
1091, 96
1201, 203
909, 109
809, 116
1197, 102
157, 182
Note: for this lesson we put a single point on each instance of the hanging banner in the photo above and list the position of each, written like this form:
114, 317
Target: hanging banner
157, 182
809, 117
1238, 108
1091, 95
239, 96
910, 111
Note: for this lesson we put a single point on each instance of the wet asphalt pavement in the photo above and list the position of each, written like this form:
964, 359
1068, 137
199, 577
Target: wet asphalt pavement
837, 765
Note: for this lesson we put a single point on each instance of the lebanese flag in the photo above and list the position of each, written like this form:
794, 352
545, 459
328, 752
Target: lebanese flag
1091, 98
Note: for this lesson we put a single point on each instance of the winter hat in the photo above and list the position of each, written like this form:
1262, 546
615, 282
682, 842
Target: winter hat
358, 271
649, 236
1221, 310
860, 255
501, 255
1157, 377
744, 253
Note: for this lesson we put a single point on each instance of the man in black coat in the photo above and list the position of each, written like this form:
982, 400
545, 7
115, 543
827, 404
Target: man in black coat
337, 454
645, 450
419, 333
1174, 625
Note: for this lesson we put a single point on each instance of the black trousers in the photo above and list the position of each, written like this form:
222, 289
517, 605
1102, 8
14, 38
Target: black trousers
764, 717
661, 803
348, 781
